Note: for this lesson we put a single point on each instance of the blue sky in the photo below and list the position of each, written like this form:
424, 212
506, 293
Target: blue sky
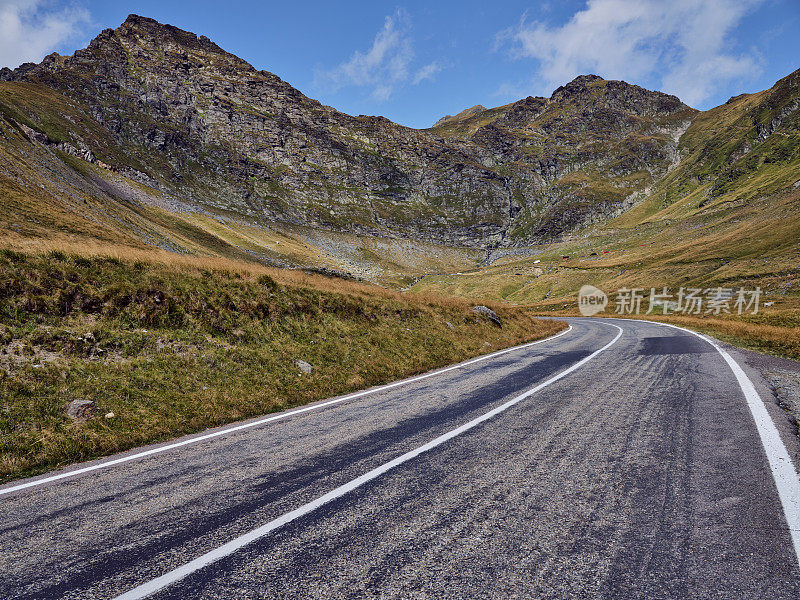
416, 61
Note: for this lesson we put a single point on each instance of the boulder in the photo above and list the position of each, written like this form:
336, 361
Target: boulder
487, 312
81, 410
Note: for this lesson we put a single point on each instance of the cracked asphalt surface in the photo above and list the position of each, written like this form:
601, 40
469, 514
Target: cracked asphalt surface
639, 475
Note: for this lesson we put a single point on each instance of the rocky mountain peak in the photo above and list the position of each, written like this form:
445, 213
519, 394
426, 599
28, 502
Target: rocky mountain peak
146, 29
134, 20
464, 114
594, 92
580, 83
523, 111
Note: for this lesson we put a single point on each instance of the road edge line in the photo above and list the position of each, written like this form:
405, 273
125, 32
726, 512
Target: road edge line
784, 473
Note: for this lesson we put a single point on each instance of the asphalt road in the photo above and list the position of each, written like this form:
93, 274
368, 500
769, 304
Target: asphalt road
592, 465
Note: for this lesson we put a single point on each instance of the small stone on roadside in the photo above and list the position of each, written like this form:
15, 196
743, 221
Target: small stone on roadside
80, 410
305, 367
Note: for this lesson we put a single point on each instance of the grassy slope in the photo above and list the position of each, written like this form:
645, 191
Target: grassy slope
728, 214
54, 201
175, 349
754, 242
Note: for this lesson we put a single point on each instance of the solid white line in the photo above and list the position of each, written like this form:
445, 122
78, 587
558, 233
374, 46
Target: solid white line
780, 463
227, 430
159, 583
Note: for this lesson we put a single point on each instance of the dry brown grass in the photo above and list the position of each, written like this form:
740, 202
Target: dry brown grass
249, 270
180, 344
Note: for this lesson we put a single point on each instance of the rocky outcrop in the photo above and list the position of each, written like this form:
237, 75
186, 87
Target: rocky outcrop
84, 152
487, 313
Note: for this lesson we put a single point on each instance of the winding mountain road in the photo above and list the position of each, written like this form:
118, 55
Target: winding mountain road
620, 459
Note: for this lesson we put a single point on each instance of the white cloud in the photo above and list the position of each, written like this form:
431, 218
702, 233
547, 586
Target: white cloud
386, 65
684, 44
429, 71
31, 29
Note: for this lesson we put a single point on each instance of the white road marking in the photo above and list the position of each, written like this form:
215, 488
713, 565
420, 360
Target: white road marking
257, 423
159, 583
780, 463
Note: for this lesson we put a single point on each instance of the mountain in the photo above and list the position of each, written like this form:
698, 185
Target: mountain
726, 213
156, 136
583, 154
182, 115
